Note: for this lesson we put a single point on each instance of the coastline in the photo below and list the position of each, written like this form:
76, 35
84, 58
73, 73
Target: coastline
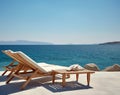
102, 83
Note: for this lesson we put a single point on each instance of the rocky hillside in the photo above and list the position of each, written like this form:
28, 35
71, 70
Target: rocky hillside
111, 43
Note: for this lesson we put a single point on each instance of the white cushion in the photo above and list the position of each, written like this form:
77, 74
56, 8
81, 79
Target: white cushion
50, 67
6, 51
28, 59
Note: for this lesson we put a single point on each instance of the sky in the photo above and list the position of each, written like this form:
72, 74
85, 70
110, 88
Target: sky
60, 21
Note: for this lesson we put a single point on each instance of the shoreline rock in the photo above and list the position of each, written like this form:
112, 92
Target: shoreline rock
114, 67
92, 66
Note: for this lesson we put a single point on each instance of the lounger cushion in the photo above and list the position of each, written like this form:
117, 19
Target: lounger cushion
28, 59
51, 67
6, 51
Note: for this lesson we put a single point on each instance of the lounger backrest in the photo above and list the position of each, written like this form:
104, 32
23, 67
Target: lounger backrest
29, 61
9, 53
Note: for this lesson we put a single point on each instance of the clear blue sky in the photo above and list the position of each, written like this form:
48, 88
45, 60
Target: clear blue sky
60, 21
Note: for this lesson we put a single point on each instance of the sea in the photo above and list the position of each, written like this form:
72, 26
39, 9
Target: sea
66, 55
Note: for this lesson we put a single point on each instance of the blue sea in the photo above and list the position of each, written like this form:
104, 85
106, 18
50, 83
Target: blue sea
66, 55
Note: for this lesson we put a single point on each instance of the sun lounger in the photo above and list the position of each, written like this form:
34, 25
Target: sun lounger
41, 69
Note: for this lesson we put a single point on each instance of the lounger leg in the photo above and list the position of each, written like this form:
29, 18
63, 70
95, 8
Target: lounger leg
63, 79
53, 78
28, 80
10, 73
77, 76
4, 72
12, 76
88, 79
25, 84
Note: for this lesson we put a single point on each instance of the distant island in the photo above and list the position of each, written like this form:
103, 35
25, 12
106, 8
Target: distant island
111, 43
24, 42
